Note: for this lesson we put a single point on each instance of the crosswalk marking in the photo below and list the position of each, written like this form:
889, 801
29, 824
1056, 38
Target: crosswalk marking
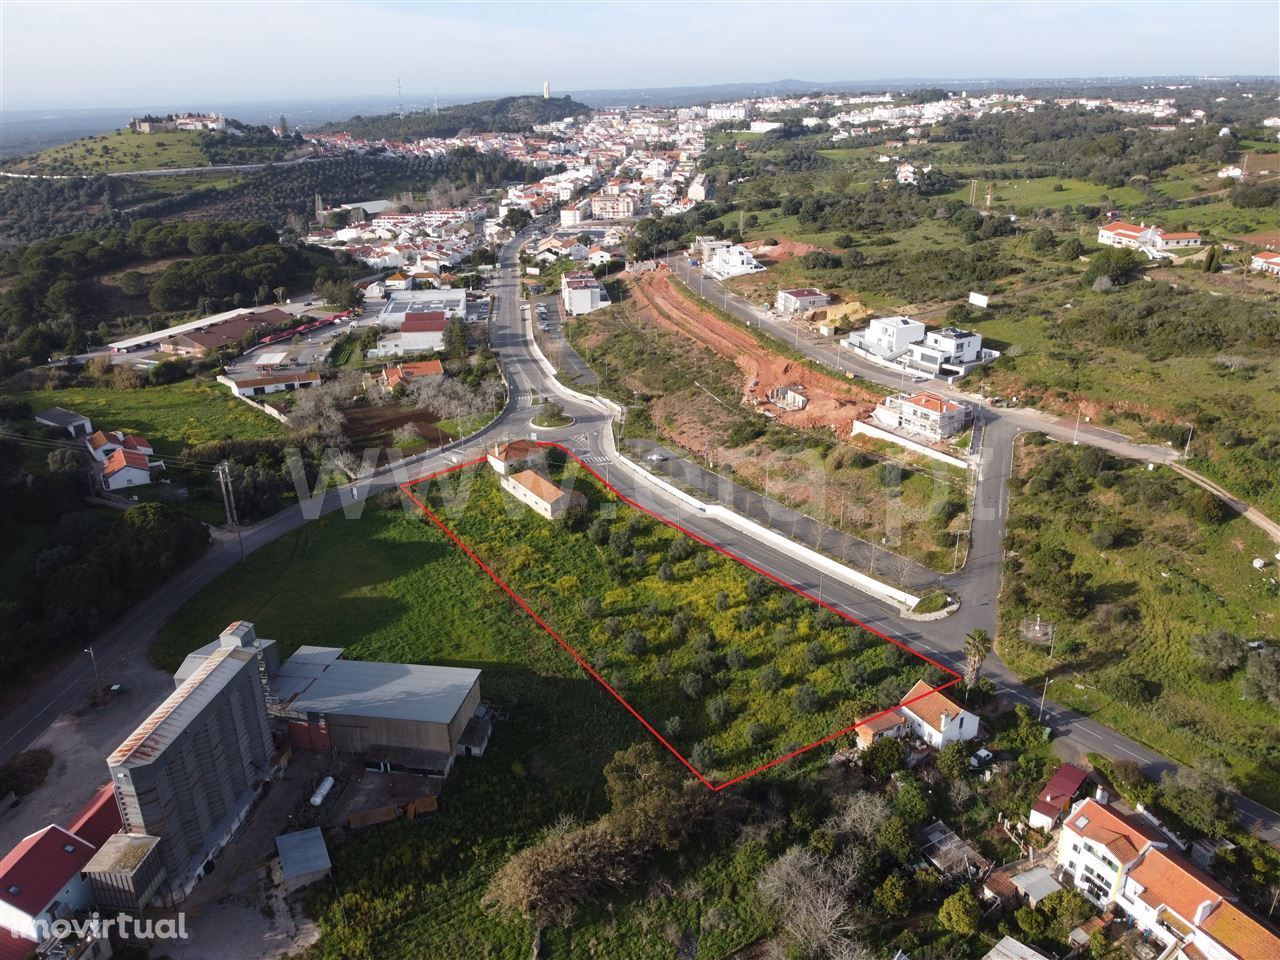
595, 460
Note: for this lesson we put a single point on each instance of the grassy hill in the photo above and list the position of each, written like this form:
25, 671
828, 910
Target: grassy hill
505, 115
123, 151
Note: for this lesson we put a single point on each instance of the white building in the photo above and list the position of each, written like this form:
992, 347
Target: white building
418, 333
719, 112
271, 383
125, 468
1118, 860
582, 293
925, 414
903, 343
731, 261
604, 207
925, 713
41, 881
698, 188
800, 300
1152, 241
506, 457
539, 494
1267, 262
402, 303
935, 718
909, 173
572, 214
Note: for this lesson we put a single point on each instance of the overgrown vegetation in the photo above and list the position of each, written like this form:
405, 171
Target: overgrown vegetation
1164, 630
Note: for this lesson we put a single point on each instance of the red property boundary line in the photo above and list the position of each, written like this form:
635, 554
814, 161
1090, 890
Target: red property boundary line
568, 648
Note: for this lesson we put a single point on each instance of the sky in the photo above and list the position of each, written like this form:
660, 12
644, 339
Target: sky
56, 54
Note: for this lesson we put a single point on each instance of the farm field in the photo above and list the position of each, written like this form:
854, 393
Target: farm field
172, 417
732, 669
1043, 192
1131, 566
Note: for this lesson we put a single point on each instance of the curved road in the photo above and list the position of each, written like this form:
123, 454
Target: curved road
590, 437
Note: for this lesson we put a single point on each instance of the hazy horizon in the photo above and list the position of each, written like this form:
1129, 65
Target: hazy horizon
266, 53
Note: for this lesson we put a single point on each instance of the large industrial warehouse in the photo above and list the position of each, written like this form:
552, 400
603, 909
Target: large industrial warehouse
396, 716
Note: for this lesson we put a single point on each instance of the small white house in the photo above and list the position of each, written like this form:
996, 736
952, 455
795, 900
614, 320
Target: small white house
41, 881
126, 468
75, 424
506, 457
732, 261
935, 718
1267, 262
539, 493
800, 300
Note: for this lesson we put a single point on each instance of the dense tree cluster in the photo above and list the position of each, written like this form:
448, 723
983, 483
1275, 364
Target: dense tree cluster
90, 568
504, 115
1101, 146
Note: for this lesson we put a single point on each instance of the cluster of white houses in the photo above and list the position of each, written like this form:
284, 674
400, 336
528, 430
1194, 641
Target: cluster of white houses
902, 343
121, 460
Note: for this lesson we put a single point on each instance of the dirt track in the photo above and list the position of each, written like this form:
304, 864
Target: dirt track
833, 402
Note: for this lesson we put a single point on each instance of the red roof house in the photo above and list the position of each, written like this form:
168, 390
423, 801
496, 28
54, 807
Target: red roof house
99, 819
1057, 796
40, 879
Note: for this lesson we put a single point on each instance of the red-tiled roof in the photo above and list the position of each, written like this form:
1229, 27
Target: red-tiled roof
121, 458
805, 292
1245, 936
14, 947
99, 819
1267, 256
40, 866
136, 443
1123, 838
933, 402
1175, 883
931, 705
867, 729
430, 321
540, 486
98, 439
1055, 798
515, 450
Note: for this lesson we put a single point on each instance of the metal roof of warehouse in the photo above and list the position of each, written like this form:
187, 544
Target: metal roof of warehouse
315, 680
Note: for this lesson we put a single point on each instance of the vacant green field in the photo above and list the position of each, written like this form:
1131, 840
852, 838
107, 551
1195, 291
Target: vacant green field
733, 669
1041, 192
1153, 577
403, 592
122, 151
171, 417
1221, 219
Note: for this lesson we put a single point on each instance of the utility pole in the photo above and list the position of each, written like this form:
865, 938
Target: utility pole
1043, 694
229, 501
1075, 437
1186, 450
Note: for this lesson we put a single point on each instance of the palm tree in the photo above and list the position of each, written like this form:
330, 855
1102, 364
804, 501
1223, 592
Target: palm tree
977, 644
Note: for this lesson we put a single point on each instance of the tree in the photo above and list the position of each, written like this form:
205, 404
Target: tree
960, 913
893, 898
953, 760
1119, 265
884, 757
691, 686
1071, 249
66, 461
703, 755
1219, 651
1199, 798
1042, 240
1211, 260
719, 710
455, 339
1262, 677
769, 678
977, 644
806, 699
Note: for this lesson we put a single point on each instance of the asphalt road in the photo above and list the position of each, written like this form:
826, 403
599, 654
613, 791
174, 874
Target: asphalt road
977, 583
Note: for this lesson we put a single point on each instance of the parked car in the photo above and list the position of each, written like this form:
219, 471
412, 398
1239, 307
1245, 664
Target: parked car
981, 759
656, 457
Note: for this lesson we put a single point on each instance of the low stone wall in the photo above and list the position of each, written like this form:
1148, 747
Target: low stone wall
863, 428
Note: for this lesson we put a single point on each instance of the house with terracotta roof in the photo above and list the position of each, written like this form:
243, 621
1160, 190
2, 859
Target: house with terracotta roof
1267, 262
99, 818
41, 881
935, 718
101, 444
1119, 861
1057, 796
127, 468
1151, 241
540, 494
399, 373
1097, 845
420, 332
924, 712
506, 457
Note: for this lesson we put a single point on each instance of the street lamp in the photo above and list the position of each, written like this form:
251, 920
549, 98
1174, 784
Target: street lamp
96, 675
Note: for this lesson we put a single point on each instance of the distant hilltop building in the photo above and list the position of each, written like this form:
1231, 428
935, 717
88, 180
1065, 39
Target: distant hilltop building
178, 121
546, 89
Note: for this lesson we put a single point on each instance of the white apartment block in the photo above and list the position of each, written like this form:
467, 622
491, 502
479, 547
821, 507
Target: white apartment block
903, 343
604, 207
926, 415
582, 293
731, 261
